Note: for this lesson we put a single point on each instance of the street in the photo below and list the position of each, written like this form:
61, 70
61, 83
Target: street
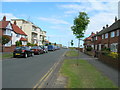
26, 72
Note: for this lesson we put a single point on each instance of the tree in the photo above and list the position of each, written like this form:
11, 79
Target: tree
5, 39
80, 25
72, 43
55, 44
18, 43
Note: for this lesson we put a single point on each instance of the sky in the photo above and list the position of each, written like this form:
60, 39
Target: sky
56, 17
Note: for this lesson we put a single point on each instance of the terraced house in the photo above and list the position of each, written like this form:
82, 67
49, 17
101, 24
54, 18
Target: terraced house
108, 37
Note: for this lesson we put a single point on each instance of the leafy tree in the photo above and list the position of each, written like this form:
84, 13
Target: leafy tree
18, 43
5, 39
80, 25
72, 43
49, 43
28, 44
55, 44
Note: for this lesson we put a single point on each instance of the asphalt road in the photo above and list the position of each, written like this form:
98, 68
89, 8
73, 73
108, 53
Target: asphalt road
26, 72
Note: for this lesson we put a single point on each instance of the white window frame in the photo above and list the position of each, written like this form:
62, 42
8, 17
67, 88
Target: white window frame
112, 34
106, 35
118, 33
103, 36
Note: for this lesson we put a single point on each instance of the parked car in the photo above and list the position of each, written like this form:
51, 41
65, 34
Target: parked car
51, 47
37, 50
45, 48
22, 51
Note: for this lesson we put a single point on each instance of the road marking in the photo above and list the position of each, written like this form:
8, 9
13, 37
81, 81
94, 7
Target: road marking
45, 77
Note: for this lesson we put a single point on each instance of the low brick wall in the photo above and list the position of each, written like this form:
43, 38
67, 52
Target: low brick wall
8, 49
81, 49
115, 63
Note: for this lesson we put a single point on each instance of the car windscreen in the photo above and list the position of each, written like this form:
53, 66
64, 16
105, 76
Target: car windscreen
34, 47
19, 48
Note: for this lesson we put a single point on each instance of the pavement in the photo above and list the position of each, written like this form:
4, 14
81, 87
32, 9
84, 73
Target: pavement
26, 72
55, 80
106, 70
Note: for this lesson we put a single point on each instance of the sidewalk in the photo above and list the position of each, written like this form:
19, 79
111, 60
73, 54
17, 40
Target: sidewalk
105, 69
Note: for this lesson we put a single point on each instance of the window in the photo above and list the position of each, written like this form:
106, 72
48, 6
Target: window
17, 35
112, 34
106, 35
96, 38
103, 36
8, 32
118, 33
20, 27
114, 47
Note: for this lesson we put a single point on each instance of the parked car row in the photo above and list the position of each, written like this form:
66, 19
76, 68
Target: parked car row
25, 51
53, 48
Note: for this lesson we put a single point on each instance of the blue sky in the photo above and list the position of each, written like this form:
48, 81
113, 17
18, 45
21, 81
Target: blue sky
57, 17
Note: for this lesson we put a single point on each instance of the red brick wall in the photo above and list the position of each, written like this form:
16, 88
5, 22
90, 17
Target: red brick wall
8, 49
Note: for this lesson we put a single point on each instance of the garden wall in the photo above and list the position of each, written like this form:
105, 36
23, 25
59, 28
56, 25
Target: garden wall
115, 63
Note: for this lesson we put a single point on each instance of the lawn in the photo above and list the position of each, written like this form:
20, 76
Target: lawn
84, 75
7, 55
72, 53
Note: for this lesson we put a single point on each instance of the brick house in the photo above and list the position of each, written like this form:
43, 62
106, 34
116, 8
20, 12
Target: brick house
13, 31
108, 37
88, 41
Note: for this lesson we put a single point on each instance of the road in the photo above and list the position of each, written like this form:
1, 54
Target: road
26, 72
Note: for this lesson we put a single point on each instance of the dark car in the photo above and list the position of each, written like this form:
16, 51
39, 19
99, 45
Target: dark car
51, 48
37, 50
22, 51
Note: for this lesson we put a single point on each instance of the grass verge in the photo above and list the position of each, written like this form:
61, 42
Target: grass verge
7, 55
84, 75
72, 53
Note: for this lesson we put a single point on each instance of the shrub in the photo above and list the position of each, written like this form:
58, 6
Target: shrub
89, 48
113, 55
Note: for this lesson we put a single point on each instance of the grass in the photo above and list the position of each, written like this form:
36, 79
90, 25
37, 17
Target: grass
7, 55
84, 75
72, 53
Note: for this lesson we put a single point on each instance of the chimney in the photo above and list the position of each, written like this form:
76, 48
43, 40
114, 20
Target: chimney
92, 33
97, 32
115, 19
106, 25
103, 27
15, 22
4, 18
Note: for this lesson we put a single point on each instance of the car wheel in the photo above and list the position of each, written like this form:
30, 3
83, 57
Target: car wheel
14, 56
32, 54
26, 55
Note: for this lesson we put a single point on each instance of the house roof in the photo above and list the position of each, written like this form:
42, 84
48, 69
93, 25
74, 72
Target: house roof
16, 29
3, 24
23, 39
114, 26
90, 37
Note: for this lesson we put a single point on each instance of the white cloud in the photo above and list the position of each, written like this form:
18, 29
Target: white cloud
98, 21
53, 20
58, 0
9, 16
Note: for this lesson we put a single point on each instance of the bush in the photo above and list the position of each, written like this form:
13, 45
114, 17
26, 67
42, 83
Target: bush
113, 55
89, 48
